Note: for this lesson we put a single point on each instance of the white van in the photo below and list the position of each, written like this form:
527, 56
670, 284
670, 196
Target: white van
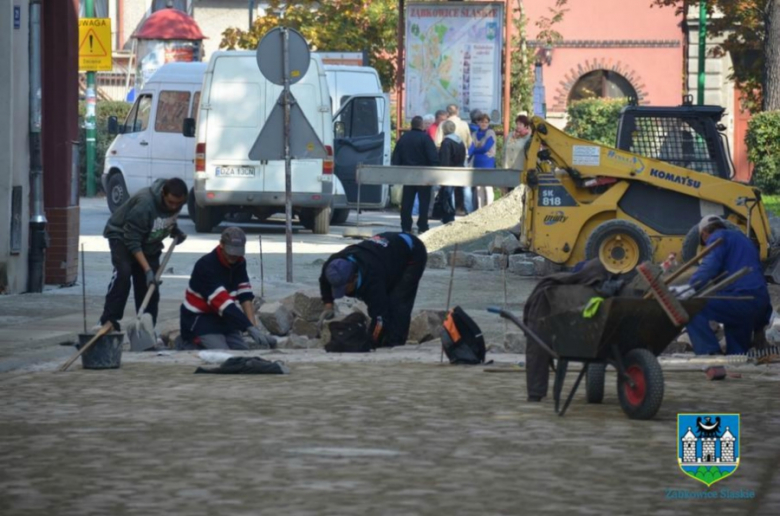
150, 144
362, 115
235, 103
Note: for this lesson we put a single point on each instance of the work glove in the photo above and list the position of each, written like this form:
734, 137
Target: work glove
151, 280
682, 291
263, 341
178, 235
326, 315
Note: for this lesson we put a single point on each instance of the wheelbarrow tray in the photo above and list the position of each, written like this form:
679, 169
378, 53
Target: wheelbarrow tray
624, 322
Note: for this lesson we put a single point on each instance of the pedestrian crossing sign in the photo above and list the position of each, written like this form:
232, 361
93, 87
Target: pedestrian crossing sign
95, 45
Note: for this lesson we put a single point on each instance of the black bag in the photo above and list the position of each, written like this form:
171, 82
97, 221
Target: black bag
441, 206
462, 339
349, 335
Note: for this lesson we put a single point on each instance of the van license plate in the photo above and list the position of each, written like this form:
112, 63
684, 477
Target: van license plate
235, 172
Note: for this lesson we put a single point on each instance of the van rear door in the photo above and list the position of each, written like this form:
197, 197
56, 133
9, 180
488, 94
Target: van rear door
306, 173
234, 114
360, 136
169, 147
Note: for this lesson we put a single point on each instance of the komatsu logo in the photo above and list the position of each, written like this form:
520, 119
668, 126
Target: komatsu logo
674, 178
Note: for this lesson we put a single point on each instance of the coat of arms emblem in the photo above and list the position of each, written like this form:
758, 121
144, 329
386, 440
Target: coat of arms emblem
708, 445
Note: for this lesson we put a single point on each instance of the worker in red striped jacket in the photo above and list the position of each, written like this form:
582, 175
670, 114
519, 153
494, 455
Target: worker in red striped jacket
218, 304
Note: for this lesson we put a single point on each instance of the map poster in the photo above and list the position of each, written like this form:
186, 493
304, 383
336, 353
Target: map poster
453, 56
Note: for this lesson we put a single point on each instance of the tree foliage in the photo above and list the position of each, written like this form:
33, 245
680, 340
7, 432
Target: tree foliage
103, 110
745, 26
521, 82
763, 141
332, 26
595, 120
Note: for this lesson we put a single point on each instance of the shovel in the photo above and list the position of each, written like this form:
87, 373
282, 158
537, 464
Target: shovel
141, 331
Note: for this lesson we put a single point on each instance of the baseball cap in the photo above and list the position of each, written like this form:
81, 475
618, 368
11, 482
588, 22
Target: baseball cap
233, 241
338, 273
709, 219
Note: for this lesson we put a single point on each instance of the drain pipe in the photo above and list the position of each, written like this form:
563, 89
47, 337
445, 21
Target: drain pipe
39, 240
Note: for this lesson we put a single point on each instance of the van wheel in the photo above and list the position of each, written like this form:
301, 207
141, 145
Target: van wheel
316, 220
117, 192
192, 206
339, 217
205, 217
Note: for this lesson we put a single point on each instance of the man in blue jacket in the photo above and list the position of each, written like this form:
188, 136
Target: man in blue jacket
218, 304
741, 319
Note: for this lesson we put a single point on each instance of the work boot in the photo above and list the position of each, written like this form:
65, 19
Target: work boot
534, 399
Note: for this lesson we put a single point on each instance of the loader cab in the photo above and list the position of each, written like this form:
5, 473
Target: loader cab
687, 136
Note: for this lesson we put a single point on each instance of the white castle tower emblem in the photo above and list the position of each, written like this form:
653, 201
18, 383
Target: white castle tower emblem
708, 446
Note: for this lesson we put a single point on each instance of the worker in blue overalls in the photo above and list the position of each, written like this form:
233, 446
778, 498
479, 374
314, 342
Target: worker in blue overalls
741, 318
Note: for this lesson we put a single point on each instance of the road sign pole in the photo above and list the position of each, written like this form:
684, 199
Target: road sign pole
89, 12
287, 164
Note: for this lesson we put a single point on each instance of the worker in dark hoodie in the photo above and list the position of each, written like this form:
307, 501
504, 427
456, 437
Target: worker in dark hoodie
384, 272
135, 232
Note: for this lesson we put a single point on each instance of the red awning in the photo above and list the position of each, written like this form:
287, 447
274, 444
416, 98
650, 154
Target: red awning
169, 24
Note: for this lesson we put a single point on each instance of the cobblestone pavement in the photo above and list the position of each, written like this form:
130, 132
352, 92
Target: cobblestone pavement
389, 434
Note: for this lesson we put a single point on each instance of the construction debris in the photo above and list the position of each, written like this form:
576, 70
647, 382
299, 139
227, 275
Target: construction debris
276, 318
426, 325
436, 260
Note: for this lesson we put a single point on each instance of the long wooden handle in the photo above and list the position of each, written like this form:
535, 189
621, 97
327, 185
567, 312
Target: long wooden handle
693, 261
157, 276
104, 330
704, 252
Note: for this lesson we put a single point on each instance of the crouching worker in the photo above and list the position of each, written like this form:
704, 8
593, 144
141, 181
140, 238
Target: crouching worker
135, 232
743, 320
384, 272
218, 304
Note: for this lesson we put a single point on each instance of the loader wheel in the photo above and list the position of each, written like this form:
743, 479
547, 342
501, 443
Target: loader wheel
643, 400
691, 243
620, 245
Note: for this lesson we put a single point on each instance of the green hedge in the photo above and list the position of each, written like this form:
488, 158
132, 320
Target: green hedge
763, 142
595, 120
104, 110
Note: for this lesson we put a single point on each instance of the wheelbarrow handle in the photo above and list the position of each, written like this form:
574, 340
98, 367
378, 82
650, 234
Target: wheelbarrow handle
528, 331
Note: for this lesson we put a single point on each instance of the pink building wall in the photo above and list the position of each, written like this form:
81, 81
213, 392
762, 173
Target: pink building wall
643, 44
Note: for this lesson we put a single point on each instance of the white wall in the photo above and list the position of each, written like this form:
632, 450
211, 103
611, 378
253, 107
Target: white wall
214, 16
14, 152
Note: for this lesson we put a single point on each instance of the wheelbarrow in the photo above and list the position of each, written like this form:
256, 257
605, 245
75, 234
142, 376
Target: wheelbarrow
626, 332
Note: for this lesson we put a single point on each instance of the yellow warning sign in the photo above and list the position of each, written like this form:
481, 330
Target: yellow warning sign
95, 45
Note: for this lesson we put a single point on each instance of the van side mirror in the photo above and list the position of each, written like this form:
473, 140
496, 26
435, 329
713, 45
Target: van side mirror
339, 129
113, 126
188, 128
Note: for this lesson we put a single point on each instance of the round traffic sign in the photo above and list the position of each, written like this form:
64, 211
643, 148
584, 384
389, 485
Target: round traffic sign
270, 55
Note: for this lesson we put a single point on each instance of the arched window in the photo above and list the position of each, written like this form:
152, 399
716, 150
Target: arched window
602, 84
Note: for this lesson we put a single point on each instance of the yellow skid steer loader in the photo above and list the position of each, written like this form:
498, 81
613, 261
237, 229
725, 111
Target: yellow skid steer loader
640, 201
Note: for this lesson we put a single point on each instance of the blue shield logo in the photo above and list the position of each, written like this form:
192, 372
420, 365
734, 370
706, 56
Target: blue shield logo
708, 445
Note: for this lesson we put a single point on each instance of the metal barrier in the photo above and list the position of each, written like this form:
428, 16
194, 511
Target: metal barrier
436, 176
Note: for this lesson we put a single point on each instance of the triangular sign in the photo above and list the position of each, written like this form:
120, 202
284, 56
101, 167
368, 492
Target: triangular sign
91, 46
304, 142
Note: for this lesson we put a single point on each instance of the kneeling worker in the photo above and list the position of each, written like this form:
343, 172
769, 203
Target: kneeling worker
384, 272
211, 317
741, 318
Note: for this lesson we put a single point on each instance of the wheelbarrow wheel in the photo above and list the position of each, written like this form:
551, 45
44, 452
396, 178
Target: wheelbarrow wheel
643, 400
594, 382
